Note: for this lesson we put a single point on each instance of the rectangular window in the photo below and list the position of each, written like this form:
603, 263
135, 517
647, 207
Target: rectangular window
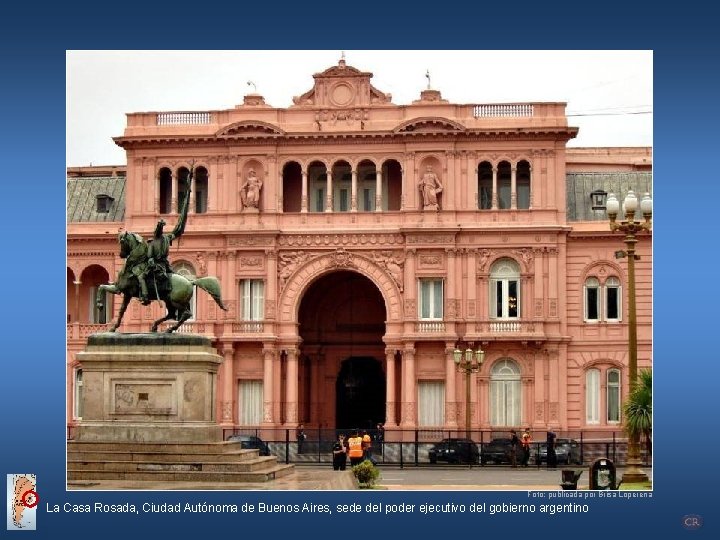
431, 299
368, 200
250, 402
485, 193
612, 301
498, 299
344, 206
319, 200
613, 396
592, 396
253, 299
591, 303
431, 403
512, 299
505, 403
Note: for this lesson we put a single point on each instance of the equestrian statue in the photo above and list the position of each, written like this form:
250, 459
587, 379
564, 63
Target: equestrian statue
147, 274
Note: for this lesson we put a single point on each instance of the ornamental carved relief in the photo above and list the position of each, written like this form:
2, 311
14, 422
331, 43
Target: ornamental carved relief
410, 308
392, 263
251, 261
227, 411
539, 411
342, 259
324, 240
201, 264
288, 263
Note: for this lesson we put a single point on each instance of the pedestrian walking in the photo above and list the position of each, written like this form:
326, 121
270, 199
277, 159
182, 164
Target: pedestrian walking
339, 454
526, 441
514, 447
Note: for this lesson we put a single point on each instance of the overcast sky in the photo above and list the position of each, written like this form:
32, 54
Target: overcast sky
609, 93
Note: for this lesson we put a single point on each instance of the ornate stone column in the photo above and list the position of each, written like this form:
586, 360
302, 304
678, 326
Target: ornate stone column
268, 358
390, 419
409, 390
353, 192
494, 188
450, 391
329, 194
378, 189
513, 187
304, 194
291, 388
271, 284
77, 284
174, 198
228, 379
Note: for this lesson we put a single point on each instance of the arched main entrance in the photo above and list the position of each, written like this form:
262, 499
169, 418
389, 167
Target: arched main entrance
341, 380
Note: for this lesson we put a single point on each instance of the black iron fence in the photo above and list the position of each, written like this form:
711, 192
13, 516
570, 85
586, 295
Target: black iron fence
423, 447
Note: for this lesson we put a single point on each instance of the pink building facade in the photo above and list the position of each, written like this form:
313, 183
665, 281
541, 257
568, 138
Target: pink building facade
359, 242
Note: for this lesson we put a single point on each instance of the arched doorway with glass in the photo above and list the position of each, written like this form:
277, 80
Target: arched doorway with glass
341, 380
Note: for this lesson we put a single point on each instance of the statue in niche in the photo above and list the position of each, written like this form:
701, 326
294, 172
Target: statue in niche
250, 190
430, 188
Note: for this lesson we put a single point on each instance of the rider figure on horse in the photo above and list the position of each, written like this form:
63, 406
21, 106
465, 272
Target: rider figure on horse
154, 260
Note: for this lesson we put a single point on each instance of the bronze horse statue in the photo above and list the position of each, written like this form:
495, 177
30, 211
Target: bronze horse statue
176, 297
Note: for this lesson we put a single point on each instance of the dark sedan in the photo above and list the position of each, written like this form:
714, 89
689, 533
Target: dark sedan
499, 451
567, 452
455, 451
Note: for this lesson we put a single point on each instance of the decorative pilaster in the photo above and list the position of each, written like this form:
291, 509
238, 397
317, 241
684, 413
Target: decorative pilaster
378, 189
268, 357
304, 194
409, 390
513, 188
291, 388
390, 420
494, 188
228, 378
450, 396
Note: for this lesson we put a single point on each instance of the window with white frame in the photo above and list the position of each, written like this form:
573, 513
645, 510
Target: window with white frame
505, 290
431, 403
602, 302
431, 299
250, 402
252, 292
612, 299
186, 270
613, 396
592, 299
78, 395
505, 394
592, 396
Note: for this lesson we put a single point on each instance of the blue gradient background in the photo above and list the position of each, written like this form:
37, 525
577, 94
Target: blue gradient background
32, 399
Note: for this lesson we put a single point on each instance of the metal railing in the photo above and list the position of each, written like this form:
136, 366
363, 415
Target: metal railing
412, 448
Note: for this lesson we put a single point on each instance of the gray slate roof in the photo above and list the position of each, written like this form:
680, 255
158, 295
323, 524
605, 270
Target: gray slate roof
82, 195
581, 185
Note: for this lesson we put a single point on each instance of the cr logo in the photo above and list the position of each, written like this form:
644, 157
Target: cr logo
692, 521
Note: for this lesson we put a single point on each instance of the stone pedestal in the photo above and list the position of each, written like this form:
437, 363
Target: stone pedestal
149, 388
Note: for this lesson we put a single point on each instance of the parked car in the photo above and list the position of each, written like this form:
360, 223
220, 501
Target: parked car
499, 451
455, 451
251, 442
566, 450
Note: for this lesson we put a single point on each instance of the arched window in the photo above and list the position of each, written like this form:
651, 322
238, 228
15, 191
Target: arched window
186, 270
505, 394
505, 290
165, 190
485, 186
602, 302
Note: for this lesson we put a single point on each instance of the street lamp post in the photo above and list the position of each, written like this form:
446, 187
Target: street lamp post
630, 227
468, 362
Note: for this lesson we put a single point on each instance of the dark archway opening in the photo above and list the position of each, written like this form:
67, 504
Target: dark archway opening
360, 391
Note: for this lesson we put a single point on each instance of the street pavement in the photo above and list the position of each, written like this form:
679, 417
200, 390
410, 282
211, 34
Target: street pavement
322, 477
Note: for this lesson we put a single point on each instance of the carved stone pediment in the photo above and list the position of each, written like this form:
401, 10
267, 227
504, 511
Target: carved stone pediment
342, 86
429, 124
249, 128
